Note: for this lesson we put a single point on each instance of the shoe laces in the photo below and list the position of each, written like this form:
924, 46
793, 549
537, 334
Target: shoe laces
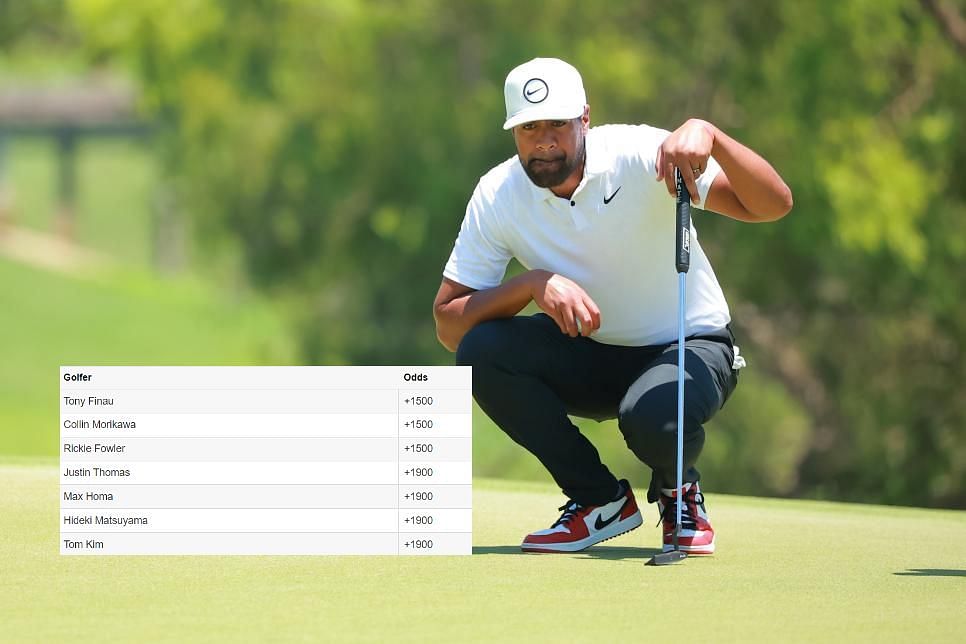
570, 511
669, 513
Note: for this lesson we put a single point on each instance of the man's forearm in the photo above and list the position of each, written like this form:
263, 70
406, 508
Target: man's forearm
459, 315
755, 182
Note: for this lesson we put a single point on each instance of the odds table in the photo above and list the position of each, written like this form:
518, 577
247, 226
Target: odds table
265, 460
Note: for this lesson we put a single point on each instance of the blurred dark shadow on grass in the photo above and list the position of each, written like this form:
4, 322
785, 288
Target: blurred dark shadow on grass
931, 572
597, 552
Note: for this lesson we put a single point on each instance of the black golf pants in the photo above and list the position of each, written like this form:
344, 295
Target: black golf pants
528, 376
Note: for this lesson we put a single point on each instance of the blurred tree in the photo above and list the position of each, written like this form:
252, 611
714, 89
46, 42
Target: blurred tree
332, 146
30, 19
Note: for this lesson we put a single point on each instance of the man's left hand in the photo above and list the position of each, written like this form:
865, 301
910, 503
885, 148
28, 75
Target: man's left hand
687, 148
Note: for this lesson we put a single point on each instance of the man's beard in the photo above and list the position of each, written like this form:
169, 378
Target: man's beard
552, 171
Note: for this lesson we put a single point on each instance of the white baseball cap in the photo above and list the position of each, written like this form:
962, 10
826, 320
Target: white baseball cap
543, 89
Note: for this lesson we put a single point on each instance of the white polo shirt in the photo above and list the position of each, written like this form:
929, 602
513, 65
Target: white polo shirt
614, 237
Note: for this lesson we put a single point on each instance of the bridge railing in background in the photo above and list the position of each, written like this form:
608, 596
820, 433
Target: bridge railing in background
69, 114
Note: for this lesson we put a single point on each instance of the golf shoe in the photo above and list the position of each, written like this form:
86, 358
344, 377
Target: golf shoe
697, 536
581, 526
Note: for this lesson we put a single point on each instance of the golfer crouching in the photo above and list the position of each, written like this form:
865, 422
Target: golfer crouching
589, 212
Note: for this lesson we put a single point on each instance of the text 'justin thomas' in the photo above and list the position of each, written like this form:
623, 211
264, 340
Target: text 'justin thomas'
95, 471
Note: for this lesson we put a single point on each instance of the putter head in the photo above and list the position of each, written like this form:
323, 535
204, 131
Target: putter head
667, 558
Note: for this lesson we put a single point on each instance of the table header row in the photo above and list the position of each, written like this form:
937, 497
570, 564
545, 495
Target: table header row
335, 377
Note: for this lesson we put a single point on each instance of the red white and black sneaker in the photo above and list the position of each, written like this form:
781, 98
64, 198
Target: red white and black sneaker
697, 536
581, 526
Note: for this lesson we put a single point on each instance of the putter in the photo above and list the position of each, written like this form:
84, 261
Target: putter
682, 261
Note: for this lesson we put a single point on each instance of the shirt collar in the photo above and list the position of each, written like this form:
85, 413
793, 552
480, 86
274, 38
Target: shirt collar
596, 163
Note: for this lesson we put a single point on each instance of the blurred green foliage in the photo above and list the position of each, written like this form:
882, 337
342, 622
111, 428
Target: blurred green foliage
120, 317
330, 147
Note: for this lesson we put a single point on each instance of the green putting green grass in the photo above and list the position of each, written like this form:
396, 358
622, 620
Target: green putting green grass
786, 571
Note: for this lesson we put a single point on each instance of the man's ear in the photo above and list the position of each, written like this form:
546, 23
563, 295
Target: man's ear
585, 118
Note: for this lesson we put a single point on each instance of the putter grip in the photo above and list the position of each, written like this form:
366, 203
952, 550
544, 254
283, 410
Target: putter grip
682, 251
